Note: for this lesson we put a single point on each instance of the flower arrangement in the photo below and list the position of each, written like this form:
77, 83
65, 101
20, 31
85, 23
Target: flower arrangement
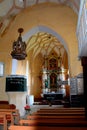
27, 108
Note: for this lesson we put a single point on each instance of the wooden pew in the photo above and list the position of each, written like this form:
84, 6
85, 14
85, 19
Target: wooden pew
34, 117
9, 117
59, 113
3, 121
63, 108
15, 113
14, 127
55, 122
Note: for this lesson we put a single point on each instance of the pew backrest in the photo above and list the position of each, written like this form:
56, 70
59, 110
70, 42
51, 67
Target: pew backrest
14, 127
3, 121
9, 117
15, 112
54, 122
33, 117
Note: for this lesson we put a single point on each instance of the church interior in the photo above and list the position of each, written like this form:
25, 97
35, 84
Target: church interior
43, 64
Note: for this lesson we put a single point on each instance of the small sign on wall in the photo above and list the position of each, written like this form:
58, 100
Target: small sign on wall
73, 86
80, 85
1, 69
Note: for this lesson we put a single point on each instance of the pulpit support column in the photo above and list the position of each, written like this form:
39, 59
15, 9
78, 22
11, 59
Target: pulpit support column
19, 99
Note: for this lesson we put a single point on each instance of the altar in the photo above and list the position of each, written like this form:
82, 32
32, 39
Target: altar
53, 77
53, 96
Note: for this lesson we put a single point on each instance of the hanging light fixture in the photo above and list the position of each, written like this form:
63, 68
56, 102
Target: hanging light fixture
19, 47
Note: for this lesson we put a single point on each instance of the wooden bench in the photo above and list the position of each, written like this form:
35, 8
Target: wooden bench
72, 110
34, 117
55, 122
9, 117
15, 113
14, 127
3, 121
63, 111
63, 108
59, 113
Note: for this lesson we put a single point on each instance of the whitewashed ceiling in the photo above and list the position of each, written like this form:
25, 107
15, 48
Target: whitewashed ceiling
12, 7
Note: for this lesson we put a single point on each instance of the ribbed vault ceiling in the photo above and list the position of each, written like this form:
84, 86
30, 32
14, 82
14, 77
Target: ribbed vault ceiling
45, 43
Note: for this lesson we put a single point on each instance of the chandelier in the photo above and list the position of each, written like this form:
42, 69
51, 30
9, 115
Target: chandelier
19, 47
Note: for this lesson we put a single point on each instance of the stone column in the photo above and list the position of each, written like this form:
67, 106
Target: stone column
84, 64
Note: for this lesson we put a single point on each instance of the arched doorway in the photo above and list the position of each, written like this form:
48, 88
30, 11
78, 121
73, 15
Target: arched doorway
40, 44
